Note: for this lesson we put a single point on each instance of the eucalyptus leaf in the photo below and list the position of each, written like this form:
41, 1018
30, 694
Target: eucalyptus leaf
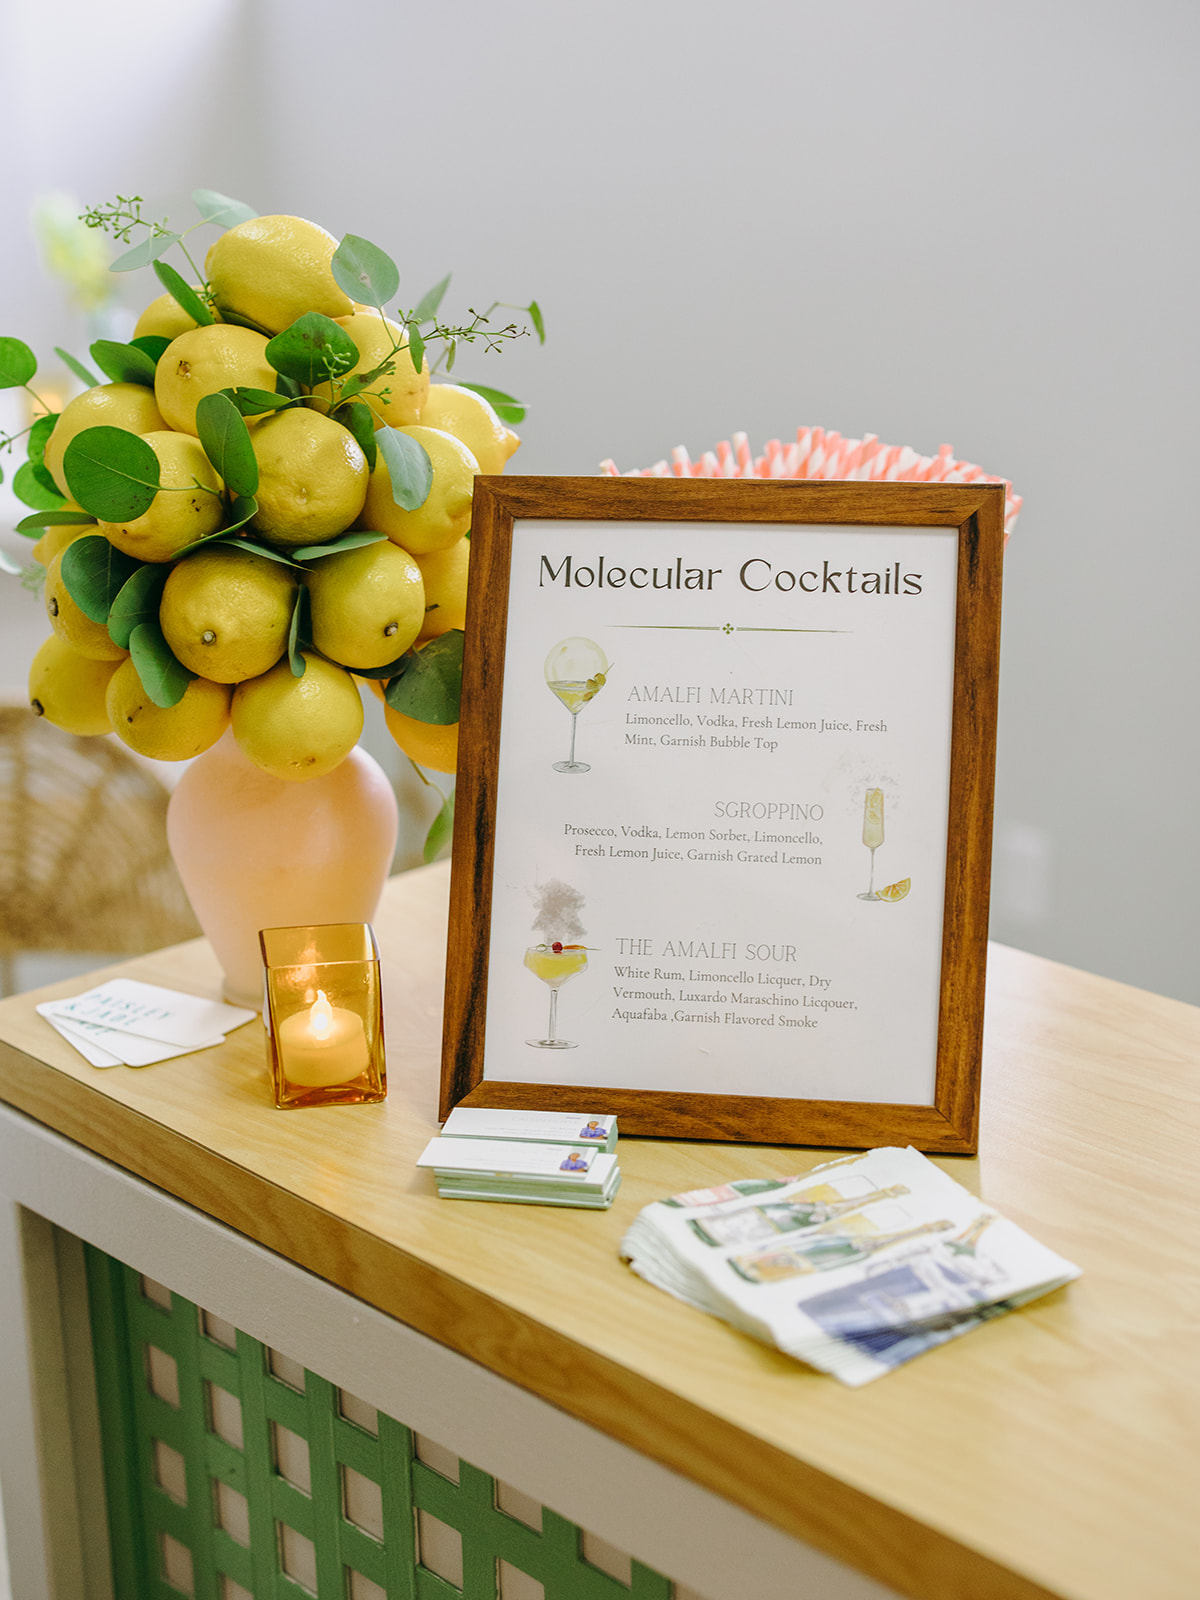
111, 473
219, 208
17, 363
226, 441
164, 678
535, 316
241, 509
451, 354
184, 296
430, 687
360, 420
255, 549
430, 301
153, 344
34, 486
300, 632
77, 367
38, 434
137, 602
287, 386
346, 541
416, 346
364, 271
94, 573
441, 831
313, 350
142, 255
505, 407
237, 320
367, 380
253, 402
409, 468
53, 518
122, 363
385, 674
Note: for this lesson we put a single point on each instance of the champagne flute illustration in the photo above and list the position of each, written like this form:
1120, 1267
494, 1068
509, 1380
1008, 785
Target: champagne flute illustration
872, 835
575, 672
555, 964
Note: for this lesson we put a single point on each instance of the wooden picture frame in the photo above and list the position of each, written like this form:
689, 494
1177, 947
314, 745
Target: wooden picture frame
963, 526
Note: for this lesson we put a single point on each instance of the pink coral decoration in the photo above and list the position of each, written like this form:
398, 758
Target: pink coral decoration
822, 455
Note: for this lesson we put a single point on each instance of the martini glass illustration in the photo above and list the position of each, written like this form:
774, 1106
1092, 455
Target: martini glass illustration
555, 964
575, 670
872, 834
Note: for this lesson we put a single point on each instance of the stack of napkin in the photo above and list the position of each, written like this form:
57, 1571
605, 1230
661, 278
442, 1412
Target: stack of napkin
856, 1267
549, 1158
126, 1023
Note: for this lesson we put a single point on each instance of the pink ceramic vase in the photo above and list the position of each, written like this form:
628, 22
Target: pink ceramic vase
256, 851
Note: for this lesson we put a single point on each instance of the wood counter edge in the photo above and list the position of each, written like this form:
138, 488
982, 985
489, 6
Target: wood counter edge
813, 1506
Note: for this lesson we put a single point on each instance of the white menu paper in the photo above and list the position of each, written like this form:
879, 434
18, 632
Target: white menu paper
721, 813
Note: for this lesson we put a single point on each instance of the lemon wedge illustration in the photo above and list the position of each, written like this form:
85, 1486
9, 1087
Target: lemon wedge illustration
895, 891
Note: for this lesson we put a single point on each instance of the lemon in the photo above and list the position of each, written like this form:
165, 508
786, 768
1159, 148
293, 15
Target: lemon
271, 270
69, 689
895, 891
471, 418
429, 744
298, 727
109, 405
446, 515
180, 513
397, 398
164, 318
226, 613
72, 625
368, 604
170, 733
203, 361
57, 538
445, 576
312, 478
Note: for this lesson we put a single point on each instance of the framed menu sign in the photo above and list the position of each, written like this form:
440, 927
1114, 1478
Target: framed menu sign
724, 807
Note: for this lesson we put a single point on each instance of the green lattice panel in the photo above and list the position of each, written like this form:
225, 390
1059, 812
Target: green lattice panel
225, 1480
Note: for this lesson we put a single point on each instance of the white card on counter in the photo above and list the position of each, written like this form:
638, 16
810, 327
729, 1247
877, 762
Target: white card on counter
558, 1162
532, 1127
78, 1040
108, 1047
148, 1012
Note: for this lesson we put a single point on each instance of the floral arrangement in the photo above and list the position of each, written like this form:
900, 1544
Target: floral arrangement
261, 500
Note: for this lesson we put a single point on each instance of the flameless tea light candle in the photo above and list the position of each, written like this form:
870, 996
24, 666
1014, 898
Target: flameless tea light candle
323, 1015
323, 1046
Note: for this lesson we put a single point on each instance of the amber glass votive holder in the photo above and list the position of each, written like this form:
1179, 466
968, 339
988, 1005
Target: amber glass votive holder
323, 1012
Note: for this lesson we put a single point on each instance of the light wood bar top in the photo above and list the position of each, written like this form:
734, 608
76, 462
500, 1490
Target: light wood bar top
1054, 1452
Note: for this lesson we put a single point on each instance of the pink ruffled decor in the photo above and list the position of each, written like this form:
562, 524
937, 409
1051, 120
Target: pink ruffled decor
817, 454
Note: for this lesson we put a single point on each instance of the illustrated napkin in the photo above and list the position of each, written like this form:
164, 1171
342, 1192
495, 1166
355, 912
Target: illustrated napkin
856, 1267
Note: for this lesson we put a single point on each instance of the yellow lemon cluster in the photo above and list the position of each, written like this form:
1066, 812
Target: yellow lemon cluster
228, 613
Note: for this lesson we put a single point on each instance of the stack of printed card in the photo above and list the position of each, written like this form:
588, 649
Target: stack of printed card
550, 1158
126, 1023
856, 1267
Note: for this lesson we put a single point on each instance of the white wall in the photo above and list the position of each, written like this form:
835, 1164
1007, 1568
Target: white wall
929, 219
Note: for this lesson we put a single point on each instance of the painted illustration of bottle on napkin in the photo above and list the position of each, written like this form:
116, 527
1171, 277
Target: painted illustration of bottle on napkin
823, 1252
556, 961
872, 837
576, 671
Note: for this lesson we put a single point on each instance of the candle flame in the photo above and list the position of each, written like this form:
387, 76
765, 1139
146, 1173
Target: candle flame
320, 1018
